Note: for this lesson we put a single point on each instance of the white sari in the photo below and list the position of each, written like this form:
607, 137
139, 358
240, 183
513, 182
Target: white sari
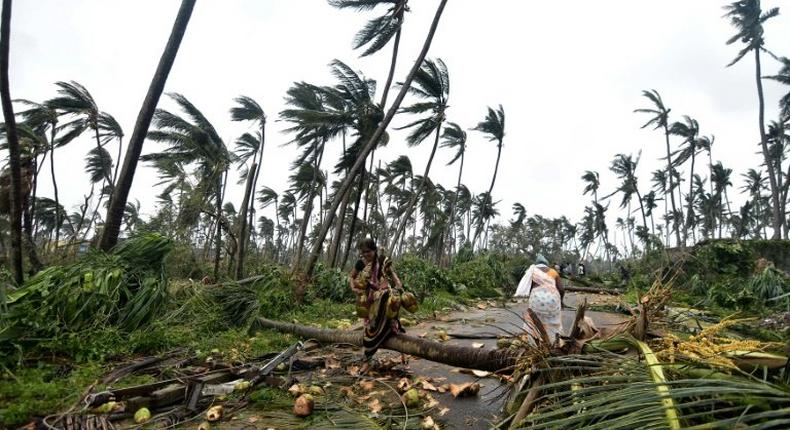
544, 300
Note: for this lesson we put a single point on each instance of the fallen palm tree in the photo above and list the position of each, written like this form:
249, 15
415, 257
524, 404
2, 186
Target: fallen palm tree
492, 360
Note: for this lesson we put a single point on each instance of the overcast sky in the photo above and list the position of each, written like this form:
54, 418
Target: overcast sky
568, 73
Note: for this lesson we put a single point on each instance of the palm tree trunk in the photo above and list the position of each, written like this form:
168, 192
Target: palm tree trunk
642, 209
218, 232
334, 247
690, 198
395, 45
347, 181
13, 148
420, 189
308, 210
451, 223
676, 223
777, 220
496, 169
488, 359
352, 227
112, 226
54, 185
242, 242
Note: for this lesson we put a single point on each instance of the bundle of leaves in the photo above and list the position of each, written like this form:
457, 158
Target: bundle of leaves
270, 296
422, 277
611, 391
483, 277
770, 283
125, 289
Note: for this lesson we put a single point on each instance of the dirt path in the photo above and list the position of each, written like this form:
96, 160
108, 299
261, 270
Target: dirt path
480, 411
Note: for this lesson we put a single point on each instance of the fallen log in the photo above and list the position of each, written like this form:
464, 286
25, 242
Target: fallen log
594, 290
492, 360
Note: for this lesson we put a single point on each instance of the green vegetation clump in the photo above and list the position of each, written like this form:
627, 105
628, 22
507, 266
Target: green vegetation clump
422, 277
487, 275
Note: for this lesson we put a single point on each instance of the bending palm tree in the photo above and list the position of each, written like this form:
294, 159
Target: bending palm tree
13, 148
661, 120
624, 167
378, 31
371, 143
688, 130
194, 141
432, 82
592, 183
494, 127
248, 147
115, 211
748, 18
454, 137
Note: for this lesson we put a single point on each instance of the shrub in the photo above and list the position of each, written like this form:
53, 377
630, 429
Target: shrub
330, 284
422, 277
483, 276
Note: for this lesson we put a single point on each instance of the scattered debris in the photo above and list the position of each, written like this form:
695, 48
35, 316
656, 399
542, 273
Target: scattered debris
463, 390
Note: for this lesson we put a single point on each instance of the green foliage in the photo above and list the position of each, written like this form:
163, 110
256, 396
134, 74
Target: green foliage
181, 263
124, 289
483, 277
331, 284
270, 296
40, 389
422, 277
723, 258
770, 283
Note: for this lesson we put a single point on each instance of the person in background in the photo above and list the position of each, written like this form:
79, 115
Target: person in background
541, 284
581, 270
372, 279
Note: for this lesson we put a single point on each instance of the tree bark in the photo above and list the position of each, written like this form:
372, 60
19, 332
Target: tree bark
112, 227
344, 186
776, 222
487, 359
451, 223
413, 202
242, 242
671, 186
353, 226
218, 233
13, 148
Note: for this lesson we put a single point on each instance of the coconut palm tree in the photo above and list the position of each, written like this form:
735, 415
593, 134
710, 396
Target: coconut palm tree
454, 137
748, 18
688, 130
432, 85
195, 142
42, 118
784, 78
755, 184
248, 147
778, 144
267, 196
370, 144
624, 167
76, 102
377, 33
13, 149
493, 126
115, 211
592, 183
660, 119
720, 178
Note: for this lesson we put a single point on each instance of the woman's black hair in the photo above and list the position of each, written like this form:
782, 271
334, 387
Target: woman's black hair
367, 244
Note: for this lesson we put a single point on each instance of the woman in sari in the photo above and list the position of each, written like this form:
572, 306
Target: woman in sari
541, 284
372, 280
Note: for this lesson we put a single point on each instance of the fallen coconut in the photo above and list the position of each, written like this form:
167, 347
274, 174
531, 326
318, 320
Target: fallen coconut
109, 407
241, 386
214, 413
411, 398
205, 425
297, 389
142, 415
316, 390
303, 406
